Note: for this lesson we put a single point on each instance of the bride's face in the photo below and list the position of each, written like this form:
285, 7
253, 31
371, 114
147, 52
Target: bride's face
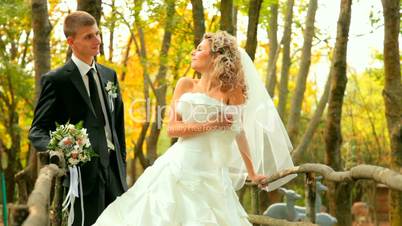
201, 57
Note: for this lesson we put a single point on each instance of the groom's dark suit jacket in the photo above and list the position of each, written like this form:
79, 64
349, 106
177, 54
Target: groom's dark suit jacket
63, 99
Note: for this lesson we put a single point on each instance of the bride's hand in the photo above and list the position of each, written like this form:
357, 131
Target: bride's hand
260, 180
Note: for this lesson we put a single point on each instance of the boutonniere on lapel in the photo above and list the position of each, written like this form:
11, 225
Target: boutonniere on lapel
111, 90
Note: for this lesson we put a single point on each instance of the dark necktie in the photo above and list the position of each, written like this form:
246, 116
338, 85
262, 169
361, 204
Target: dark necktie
93, 90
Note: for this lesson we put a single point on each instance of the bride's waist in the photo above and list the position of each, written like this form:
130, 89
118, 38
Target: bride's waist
207, 140
200, 141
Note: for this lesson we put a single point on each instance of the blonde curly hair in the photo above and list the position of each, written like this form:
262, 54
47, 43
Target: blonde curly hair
227, 68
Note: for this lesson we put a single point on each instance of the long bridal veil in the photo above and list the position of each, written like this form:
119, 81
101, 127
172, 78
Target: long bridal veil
266, 135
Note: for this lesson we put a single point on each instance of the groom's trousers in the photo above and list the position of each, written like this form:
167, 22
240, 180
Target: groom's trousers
106, 190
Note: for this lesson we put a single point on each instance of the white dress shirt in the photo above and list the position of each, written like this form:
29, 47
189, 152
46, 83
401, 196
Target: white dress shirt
84, 68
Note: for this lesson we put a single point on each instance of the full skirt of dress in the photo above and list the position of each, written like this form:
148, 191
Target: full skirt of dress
184, 187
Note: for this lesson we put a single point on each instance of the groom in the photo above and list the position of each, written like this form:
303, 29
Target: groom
76, 92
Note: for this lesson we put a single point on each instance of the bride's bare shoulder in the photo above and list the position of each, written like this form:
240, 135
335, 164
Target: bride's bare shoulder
184, 85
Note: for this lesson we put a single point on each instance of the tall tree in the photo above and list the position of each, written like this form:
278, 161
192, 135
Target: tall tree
339, 193
41, 45
16, 87
305, 61
286, 61
198, 20
313, 124
41, 55
235, 13
253, 17
392, 95
142, 54
161, 83
273, 48
112, 26
227, 11
93, 7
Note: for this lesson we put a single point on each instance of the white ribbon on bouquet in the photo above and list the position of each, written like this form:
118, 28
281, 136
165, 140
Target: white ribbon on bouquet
74, 191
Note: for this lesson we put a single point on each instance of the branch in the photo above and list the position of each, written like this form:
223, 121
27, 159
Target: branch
379, 174
258, 219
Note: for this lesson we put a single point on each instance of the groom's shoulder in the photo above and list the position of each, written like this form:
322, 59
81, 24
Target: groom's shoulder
57, 75
106, 69
53, 74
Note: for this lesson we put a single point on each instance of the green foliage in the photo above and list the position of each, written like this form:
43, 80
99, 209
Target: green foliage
13, 11
364, 126
16, 93
16, 82
14, 26
265, 12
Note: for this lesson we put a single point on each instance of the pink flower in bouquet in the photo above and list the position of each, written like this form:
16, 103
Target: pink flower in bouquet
74, 155
66, 141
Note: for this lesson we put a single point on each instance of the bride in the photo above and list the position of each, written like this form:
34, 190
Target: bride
228, 129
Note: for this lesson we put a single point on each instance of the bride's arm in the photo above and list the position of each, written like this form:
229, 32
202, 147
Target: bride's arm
178, 128
241, 141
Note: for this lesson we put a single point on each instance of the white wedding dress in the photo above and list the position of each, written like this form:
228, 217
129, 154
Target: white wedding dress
189, 185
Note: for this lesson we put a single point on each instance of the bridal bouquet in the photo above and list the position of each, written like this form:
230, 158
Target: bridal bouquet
72, 142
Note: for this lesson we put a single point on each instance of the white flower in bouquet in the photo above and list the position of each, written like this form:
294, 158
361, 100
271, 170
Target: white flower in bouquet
73, 142
71, 128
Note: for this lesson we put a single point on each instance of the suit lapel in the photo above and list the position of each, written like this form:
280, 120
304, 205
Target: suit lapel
76, 79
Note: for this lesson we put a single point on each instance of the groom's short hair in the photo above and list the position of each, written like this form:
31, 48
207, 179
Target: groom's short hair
76, 20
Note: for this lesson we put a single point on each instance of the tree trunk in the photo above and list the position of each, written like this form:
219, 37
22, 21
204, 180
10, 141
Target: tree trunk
41, 45
227, 16
392, 95
313, 124
287, 32
339, 193
41, 51
93, 7
198, 20
253, 17
273, 46
126, 57
298, 96
142, 54
111, 33
235, 13
161, 84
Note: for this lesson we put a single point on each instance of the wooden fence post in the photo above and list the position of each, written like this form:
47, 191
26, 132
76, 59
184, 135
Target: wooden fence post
310, 190
255, 204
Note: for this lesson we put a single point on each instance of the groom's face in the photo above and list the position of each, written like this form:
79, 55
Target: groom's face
86, 41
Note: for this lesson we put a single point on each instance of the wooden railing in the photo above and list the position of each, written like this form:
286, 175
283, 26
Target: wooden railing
378, 174
44, 203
